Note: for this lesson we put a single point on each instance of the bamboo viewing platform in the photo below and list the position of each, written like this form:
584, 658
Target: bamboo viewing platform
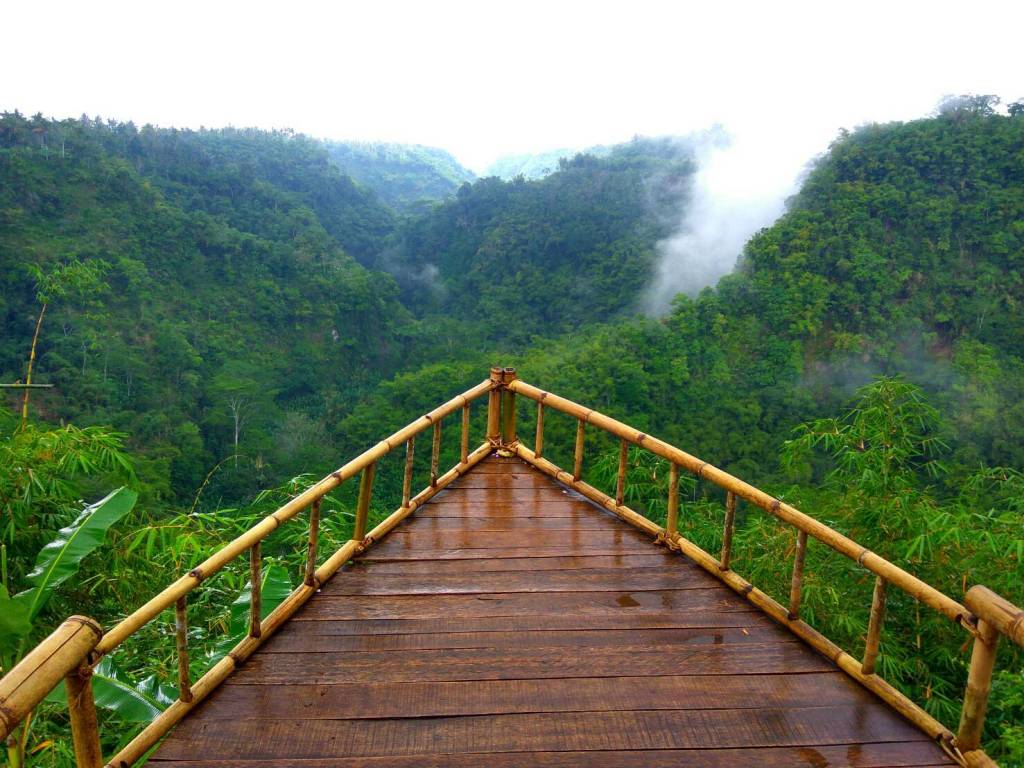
510, 614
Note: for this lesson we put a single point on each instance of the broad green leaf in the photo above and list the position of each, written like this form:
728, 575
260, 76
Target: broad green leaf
58, 560
15, 623
134, 702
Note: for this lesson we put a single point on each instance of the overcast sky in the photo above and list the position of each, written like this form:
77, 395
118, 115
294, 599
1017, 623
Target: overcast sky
486, 79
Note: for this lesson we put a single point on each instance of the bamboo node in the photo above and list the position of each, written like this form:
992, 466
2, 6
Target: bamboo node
197, 574
747, 589
8, 718
775, 505
860, 558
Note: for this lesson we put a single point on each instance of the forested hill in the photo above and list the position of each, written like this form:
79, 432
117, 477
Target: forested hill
572, 249
903, 254
231, 278
227, 288
405, 176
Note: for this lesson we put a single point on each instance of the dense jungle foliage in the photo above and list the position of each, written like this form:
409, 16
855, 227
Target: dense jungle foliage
223, 311
406, 177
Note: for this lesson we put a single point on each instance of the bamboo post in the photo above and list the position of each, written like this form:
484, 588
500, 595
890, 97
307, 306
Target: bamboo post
620, 479
85, 730
730, 524
435, 454
672, 520
32, 678
508, 412
874, 637
256, 582
410, 453
363, 504
314, 536
979, 682
577, 462
538, 440
181, 641
796, 588
494, 407
464, 446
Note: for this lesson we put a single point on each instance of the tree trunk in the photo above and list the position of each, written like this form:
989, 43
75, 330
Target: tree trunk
31, 364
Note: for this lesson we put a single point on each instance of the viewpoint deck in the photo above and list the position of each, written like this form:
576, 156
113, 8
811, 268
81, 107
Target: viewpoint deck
511, 623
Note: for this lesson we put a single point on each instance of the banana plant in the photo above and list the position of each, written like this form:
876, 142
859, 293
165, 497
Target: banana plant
55, 563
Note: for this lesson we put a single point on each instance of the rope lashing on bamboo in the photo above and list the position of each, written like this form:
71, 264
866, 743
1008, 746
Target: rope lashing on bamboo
670, 542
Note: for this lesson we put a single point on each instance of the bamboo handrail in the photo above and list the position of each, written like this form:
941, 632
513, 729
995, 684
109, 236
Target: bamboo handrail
910, 584
79, 643
985, 614
143, 615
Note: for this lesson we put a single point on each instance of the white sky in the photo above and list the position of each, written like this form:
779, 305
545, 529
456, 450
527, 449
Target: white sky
483, 79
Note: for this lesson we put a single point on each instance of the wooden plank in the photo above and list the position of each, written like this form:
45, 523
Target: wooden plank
656, 560
304, 642
406, 553
649, 730
543, 527
498, 697
409, 538
543, 508
517, 604
593, 580
553, 622
897, 754
532, 663
505, 481
521, 496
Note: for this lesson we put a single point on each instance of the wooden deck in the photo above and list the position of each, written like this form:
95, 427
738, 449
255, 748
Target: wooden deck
510, 623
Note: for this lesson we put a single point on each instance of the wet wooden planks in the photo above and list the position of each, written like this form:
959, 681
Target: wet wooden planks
511, 623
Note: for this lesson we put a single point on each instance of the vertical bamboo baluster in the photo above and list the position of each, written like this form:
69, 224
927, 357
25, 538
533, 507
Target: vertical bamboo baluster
672, 521
311, 547
577, 463
796, 588
730, 524
435, 454
181, 640
620, 479
538, 440
85, 733
494, 408
363, 504
979, 682
874, 637
410, 453
464, 446
508, 417
256, 580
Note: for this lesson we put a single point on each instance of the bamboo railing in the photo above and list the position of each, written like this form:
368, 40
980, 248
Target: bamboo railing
72, 651
986, 616
77, 645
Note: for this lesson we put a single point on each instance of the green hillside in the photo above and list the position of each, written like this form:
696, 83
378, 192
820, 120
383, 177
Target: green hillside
572, 249
228, 271
405, 176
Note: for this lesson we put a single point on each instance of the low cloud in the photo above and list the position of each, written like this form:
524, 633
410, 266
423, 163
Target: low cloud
740, 187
